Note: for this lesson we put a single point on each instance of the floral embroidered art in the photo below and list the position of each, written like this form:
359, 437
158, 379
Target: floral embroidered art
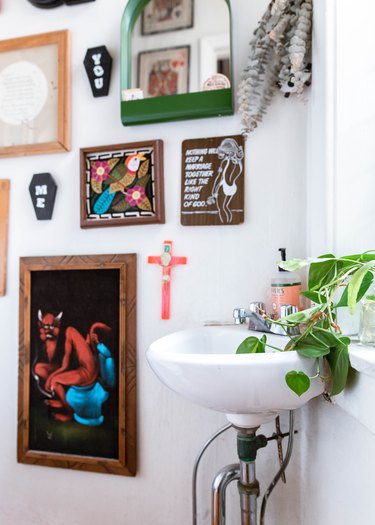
121, 184
100, 170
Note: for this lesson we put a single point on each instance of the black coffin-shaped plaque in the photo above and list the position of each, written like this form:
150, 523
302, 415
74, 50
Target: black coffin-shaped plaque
43, 192
98, 65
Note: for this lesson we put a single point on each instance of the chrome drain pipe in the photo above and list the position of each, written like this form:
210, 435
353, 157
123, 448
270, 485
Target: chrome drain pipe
219, 486
196, 465
248, 488
248, 443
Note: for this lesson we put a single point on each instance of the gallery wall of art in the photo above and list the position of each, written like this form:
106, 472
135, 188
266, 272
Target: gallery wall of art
228, 265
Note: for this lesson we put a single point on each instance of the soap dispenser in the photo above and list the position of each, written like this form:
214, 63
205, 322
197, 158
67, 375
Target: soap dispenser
285, 288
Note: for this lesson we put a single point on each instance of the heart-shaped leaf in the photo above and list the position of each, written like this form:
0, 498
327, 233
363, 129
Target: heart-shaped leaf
252, 345
338, 360
299, 382
365, 285
355, 285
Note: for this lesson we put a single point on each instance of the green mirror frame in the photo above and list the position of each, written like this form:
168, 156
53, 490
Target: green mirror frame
201, 104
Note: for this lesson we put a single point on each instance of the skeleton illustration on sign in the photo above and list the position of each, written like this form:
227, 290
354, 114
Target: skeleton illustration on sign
224, 187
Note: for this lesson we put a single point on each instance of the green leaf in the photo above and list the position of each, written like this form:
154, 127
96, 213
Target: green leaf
312, 352
299, 382
365, 285
322, 273
338, 360
363, 257
355, 285
301, 317
295, 264
252, 345
311, 346
326, 337
316, 297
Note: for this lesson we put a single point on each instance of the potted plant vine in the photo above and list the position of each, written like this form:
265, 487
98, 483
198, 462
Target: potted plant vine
320, 338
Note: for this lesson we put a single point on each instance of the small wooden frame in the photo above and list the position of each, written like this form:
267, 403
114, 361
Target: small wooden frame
88, 434
212, 189
35, 94
122, 184
4, 217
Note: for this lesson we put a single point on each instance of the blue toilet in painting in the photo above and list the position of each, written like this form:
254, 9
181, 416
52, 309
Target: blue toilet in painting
87, 401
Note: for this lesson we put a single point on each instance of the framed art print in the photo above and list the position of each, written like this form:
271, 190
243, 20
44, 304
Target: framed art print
122, 184
35, 94
167, 15
212, 189
76, 404
164, 71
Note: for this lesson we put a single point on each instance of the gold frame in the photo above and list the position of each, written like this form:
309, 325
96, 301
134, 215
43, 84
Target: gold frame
62, 142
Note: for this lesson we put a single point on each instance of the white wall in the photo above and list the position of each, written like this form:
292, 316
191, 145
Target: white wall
227, 267
338, 449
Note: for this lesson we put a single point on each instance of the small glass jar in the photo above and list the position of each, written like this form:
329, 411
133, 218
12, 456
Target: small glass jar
367, 320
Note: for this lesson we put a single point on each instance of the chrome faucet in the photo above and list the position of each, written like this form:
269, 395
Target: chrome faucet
256, 317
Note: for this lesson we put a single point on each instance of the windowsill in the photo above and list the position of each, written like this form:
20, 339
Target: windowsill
362, 358
357, 397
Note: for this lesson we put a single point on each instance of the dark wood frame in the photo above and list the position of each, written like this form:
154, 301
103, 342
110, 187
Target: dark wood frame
157, 178
62, 39
125, 464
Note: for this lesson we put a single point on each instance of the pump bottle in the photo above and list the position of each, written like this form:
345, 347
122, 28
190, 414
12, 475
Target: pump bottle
285, 288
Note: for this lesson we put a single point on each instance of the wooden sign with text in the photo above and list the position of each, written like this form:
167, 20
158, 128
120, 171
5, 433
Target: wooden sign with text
4, 213
212, 190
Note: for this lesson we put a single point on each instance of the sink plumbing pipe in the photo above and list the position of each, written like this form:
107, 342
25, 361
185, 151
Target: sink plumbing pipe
248, 444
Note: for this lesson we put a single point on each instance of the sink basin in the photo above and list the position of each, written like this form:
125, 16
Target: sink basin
201, 365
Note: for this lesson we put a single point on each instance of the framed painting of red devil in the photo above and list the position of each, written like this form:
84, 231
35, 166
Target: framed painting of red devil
77, 366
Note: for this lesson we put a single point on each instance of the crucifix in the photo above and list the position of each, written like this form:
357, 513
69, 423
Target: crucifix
166, 261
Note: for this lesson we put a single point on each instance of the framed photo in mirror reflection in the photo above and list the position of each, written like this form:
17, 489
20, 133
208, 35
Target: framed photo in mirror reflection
167, 15
164, 71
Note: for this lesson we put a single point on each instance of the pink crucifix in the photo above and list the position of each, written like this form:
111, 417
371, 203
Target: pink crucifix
166, 261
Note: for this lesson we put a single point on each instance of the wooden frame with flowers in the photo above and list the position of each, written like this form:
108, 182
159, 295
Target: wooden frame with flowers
122, 184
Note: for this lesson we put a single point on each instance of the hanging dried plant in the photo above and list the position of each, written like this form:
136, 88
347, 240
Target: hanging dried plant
279, 58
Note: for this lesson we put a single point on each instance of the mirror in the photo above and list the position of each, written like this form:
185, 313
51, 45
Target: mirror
175, 60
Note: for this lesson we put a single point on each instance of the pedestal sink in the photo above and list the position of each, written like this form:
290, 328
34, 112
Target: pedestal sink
201, 365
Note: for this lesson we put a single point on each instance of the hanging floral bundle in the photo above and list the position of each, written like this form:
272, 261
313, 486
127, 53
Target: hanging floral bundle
279, 58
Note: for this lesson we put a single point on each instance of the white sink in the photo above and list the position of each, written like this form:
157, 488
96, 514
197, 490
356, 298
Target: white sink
201, 365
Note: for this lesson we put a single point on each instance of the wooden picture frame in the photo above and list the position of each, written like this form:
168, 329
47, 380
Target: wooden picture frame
35, 94
77, 392
4, 225
159, 16
213, 181
164, 72
122, 184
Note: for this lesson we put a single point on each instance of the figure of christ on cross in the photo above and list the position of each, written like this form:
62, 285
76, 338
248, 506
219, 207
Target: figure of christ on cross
166, 261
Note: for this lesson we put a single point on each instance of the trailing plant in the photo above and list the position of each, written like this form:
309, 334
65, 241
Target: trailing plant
279, 58
320, 337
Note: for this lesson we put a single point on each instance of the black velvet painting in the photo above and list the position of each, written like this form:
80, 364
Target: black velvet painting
74, 362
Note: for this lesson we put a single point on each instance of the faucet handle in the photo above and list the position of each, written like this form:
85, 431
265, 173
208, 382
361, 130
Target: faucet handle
239, 315
258, 307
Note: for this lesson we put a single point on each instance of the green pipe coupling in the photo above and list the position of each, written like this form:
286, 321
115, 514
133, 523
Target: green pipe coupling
247, 446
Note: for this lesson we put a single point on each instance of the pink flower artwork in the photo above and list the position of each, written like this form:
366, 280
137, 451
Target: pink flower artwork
135, 195
100, 170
